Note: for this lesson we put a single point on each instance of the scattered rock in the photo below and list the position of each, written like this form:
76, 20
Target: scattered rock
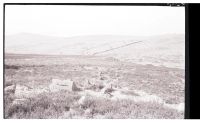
108, 90
88, 112
10, 89
75, 88
81, 100
22, 101
107, 87
101, 68
179, 107
103, 78
129, 92
95, 87
22, 91
8, 82
67, 108
42, 90
88, 68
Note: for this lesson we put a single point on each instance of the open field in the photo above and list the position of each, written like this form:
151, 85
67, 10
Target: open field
97, 87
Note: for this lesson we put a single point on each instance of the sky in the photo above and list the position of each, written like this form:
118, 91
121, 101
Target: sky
66, 21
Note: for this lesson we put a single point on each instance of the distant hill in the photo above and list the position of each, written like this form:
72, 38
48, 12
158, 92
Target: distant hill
39, 44
167, 50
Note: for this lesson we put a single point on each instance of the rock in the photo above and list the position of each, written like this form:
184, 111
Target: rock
108, 87
22, 91
108, 90
101, 68
88, 112
179, 107
95, 87
88, 67
42, 90
58, 85
22, 101
10, 89
103, 78
67, 108
81, 100
75, 88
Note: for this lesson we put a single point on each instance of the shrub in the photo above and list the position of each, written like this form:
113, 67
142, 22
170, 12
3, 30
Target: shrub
11, 67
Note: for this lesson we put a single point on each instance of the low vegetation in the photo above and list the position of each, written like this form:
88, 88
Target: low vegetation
38, 72
52, 106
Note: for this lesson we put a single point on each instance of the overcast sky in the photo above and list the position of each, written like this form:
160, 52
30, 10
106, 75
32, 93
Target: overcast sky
94, 20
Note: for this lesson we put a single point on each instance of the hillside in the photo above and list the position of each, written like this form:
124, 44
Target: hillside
166, 50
